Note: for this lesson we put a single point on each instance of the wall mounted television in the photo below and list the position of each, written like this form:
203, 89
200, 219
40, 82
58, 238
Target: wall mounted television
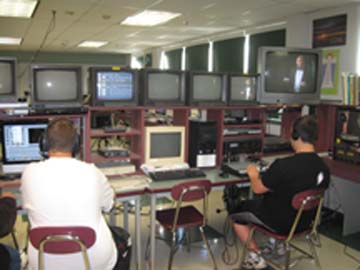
207, 89
289, 75
162, 87
114, 86
8, 86
56, 87
242, 89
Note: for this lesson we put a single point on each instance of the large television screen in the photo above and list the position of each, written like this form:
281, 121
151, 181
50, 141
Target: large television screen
289, 76
8, 90
56, 86
207, 88
113, 86
162, 87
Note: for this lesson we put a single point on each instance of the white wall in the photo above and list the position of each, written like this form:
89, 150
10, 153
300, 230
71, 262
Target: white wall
299, 34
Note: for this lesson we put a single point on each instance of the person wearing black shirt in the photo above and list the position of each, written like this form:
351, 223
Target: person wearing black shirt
9, 257
285, 177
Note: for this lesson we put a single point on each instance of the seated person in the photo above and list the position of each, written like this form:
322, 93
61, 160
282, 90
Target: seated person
285, 177
9, 257
64, 191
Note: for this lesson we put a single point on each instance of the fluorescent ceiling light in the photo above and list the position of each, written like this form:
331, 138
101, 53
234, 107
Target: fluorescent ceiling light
93, 44
17, 8
150, 18
10, 41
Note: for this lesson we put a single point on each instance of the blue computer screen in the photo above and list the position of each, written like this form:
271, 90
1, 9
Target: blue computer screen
21, 142
112, 85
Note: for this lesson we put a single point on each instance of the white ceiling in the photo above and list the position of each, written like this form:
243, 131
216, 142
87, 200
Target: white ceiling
79, 20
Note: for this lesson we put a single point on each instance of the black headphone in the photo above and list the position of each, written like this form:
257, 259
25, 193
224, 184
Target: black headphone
301, 130
44, 141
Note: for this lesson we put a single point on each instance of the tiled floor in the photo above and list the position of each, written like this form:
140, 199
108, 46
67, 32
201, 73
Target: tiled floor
331, 253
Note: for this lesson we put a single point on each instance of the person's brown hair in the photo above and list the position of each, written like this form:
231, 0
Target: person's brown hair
62, 136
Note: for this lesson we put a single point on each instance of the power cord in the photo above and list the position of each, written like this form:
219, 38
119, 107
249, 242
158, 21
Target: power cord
230, 240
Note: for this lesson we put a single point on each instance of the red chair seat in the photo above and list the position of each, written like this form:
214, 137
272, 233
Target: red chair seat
276, 235
189, 216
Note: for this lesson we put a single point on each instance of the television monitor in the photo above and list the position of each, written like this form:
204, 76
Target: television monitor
162, 87
56, 86
164, 145
207, 89
348, 124
242, 89
8, 90
289, 75
113, 86
20, 144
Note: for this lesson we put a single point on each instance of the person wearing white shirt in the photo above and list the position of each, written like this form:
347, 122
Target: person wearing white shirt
64, 191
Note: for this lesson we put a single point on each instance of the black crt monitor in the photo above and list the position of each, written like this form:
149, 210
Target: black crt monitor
8, 89
289, 75
162, 87
207, 89
242, 89
114, 86
20, 144
56, 86
348, 125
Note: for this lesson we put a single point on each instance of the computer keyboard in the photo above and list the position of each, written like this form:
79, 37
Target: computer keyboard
176, 174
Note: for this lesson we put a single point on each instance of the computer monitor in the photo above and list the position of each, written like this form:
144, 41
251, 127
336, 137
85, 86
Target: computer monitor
8, 90
348, 124
162, 87
207, 89
242, 89
164, 145
289, 75
56, 86
20, 144
113, 86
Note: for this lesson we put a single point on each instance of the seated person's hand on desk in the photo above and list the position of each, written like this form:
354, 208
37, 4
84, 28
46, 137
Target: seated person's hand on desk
252, 171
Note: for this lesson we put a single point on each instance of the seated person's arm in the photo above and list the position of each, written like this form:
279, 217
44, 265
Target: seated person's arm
106, 192
257, 185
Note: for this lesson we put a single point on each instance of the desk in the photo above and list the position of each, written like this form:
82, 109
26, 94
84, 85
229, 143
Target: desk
163, 188
121, 195
345, 185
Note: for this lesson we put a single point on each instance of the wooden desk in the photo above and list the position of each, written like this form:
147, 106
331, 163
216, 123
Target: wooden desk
345, 187
163, 188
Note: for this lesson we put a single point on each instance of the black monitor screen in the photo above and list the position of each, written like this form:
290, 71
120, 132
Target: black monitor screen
114, 85
21, 142
291, 72
207, 87
56, 85
163, 145
163, 86
243, 88
348, 123
6, 78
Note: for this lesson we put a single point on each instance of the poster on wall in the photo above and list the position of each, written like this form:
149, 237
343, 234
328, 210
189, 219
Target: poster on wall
329, 31
330, 71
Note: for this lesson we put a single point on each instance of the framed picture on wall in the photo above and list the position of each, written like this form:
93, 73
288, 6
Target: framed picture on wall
330, 71
330, 31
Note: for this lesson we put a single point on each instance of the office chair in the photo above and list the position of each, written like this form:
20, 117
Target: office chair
186, 216
302, 201
62, 240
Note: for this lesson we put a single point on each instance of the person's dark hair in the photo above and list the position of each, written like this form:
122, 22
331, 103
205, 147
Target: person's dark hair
62, 136
305, 128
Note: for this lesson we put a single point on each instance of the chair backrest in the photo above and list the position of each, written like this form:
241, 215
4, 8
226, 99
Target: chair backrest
309, 199
191, 190
305, 201
62, 239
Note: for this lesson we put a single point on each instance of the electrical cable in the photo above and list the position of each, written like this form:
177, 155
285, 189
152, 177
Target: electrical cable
230, 240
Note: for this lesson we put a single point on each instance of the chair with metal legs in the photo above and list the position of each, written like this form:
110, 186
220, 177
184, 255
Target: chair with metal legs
304, 201
186, 216
62, 240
